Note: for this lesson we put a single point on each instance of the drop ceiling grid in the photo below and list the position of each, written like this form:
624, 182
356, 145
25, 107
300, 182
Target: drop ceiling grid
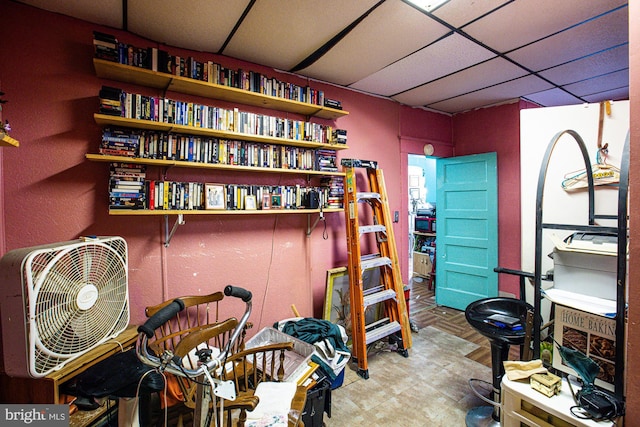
552, 98
377, 41
282, 36
577, 42
461, 12
485, 74
527, 21
175, 24
492, 95
428, 64
616, 95
594, 65
607, 82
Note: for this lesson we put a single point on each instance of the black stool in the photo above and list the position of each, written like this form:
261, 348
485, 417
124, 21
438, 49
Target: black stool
501, 339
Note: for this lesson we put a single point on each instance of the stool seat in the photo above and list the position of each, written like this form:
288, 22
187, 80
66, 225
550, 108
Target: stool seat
500, 339
477, 312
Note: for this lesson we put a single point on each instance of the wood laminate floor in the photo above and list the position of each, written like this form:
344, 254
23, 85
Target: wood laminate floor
428, 388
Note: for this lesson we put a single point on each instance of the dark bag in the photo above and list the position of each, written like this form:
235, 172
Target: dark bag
118, 376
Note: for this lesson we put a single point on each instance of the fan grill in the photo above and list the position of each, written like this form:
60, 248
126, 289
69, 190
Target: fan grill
78, 298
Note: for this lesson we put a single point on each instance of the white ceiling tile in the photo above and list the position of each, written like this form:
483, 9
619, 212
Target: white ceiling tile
176, 24
614, 95
492, 95
430, 63
106, 12
530, 20
391, 32
581, 45
461, 12
579, 41
553, 98
601, 63
611, 81
486, 74
282, 40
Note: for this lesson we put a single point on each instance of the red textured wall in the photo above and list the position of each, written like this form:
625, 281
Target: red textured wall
53, 194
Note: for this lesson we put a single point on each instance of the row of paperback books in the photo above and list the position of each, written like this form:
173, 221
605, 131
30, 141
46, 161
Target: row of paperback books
129, 189
193, 148
114, 101
248, 197
107, 47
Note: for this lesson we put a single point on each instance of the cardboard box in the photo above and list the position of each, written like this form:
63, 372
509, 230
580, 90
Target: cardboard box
422, 264
593, 335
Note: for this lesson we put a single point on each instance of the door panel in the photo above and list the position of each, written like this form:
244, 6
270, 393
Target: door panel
466, 229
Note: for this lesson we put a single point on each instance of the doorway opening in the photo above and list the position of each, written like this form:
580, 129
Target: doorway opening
422, 213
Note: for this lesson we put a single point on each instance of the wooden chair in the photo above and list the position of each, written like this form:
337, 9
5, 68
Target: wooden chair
247, 369
199, 326
200, 312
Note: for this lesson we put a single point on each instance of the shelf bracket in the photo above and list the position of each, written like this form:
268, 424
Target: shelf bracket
311, 227
169, 235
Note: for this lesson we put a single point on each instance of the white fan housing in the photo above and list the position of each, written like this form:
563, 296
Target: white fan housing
59, 301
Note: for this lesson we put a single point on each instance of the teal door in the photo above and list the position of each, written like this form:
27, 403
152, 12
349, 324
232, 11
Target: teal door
466, 229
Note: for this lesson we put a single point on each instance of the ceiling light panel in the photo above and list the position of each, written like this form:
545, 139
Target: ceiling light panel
460, 12
392, 31
591, 37
527, 21
425, 65
201, 25
486, 74
427, 5
282, 36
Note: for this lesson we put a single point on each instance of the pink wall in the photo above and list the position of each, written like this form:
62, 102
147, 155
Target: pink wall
53, 194
498, 129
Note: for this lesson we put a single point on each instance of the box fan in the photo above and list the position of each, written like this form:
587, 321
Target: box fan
59, 301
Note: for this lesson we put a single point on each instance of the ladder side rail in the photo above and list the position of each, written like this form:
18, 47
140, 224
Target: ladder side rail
400, 308
355, 269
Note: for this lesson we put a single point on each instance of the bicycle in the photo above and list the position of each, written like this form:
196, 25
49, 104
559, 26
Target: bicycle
211, 392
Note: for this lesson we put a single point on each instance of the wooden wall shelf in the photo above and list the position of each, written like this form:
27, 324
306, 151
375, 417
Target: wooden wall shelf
199, 165
7, 141
107, 120
167, 82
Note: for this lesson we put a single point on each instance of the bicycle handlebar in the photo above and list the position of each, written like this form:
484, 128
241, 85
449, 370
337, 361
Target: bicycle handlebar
161, 317
238, 292
171, 365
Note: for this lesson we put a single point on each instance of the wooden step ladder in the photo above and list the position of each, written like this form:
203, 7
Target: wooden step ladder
390, 292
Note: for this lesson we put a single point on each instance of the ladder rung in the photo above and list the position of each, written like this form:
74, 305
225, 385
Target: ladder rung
367, 196
376, 228
375, 262
377, 297
383, 331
